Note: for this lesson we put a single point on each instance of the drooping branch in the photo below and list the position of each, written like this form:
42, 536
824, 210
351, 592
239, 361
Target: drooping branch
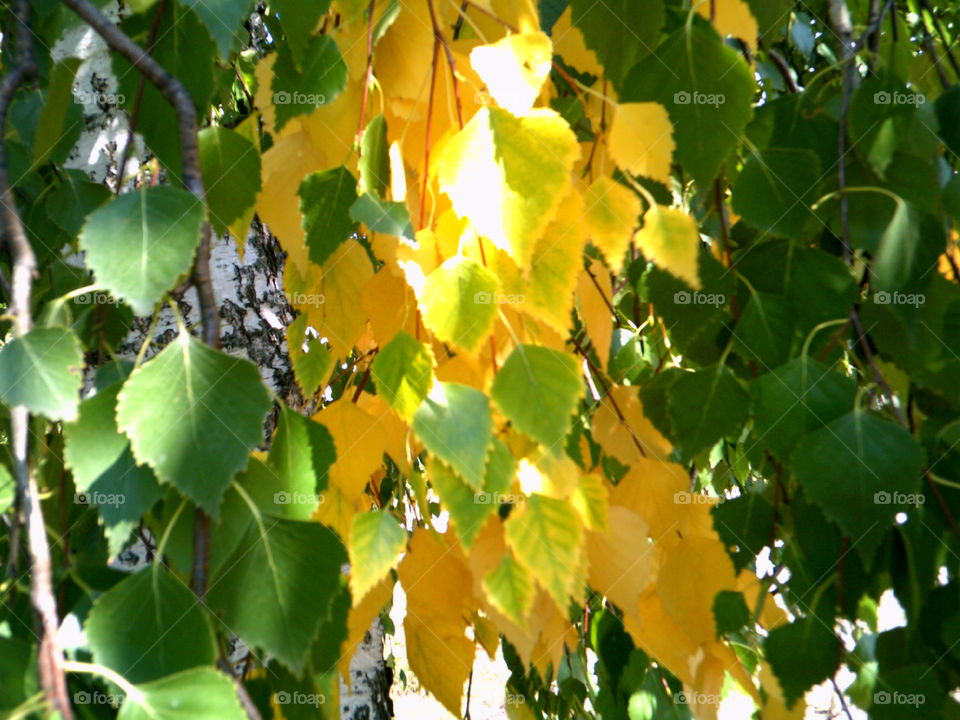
49, 656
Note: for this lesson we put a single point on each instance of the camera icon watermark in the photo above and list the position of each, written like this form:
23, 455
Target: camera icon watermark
299, 698
684, 297
882, 697
898, 298
96, 298
96, 697
101, 99
94, 497
283, 497
883, 497
682, 97
688, 498
283, 97
486, 498
696, 698
498, 298
885, 97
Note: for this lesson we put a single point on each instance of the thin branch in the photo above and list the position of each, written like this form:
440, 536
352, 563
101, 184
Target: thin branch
49, 655
938, 28
784, 70
438, 34
842, 25
369, 73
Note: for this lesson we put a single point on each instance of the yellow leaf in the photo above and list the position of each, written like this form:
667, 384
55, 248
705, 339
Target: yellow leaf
508, 175
360, 442
732, 17
336, 510
509, 588
458, 302
435, 577
622, 559
394, 429
655, 632
514, 69
671, 239
620, 438
591, 499
641, 140
612, 214
441, 656
486, 634
389, 304
554, 475
569, 44
404, 55
359, 619
594, 298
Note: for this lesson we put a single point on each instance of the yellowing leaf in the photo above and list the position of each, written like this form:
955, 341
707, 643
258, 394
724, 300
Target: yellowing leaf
402, 61
612, 213
509, 589
594, 298
514, 69
641, 140
624, 438
457, 302
570, 45
441, 656
546, 537
336, 510
591, 500
732, 17
389, 304
552, 474
435, 577
376, 542
622, 559
508, 175
671, 239
360, 442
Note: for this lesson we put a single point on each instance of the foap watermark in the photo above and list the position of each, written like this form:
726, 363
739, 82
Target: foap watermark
898, 298
883, 697
298, 98
684, 297
498, 298
884, 97
94, 497
696, 698
96, 298
688, 498
514, 699
299, 698
299, 299
96, 697
883, 497
102, 99
282, 497
696, 97
486, 498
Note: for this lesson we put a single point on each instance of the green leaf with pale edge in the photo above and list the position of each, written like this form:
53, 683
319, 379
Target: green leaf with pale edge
325, 201
276, 587
148, 626
775, 190
704, 406
730, 612
454, 423
300, 456
403, 372
537, 389
796, 399
140, 244
375, 157
861, 470
298, 18
194, 414
198, 694
391, 218
620, 32
743, 523
230, 164
458, 302
510, 589
545, 535
802, 654
321, 78
377, 541
42, 371
224, 21
708, 90
468, 508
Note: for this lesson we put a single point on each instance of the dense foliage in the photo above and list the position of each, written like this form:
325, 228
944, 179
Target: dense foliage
628, 344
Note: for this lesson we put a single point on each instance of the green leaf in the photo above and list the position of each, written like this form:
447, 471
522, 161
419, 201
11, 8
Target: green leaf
775, 190
744, 524
276, 587
15, 663
391, 218
42, 371
797, 399
69, 203
230, 164
403, 373
730, 612
54, 116
377, 540
224, 20
311, 366
375, 158
765, 330
881, 112
545, 535
948, 109
468, 508
194, 414
142, 243
321, 78
706, 87
325, 201
537, 389
620, 32
861, 470
454, 423
510, 589
148, 626
8, 491
300, 456
458, 302
802, 654
299, 18
705, 406
198, 694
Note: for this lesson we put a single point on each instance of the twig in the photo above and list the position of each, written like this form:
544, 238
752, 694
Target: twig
938, 28
49, 655
931, 49
369, 72
784, 69
438, 34
840, 19
429, 131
